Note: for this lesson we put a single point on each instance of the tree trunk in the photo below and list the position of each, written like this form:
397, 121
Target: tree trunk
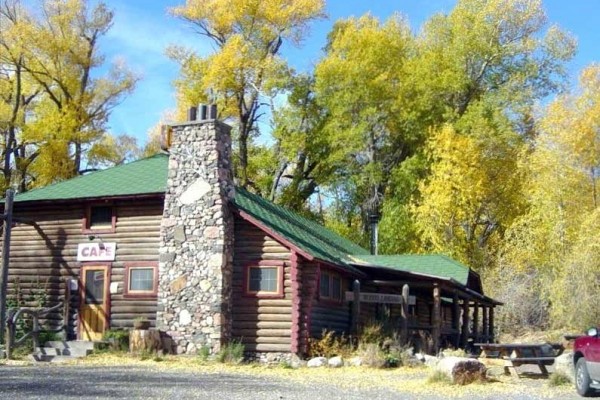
144, 340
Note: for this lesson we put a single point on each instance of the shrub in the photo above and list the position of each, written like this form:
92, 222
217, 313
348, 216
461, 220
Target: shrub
559, 379
203, 353
372, 355
372, 332
231, 353
329, 345
118, 339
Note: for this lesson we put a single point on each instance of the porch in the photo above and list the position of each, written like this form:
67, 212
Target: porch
434, 308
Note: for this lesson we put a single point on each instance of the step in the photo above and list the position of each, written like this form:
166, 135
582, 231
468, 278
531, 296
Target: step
50, 351
51, 358
75, 345
53, 351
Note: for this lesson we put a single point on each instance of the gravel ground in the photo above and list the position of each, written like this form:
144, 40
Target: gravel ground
136, 382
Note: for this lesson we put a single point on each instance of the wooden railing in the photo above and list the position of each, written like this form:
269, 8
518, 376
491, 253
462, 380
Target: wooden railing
36, 313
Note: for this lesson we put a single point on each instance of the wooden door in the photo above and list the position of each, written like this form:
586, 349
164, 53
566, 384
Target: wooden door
93, 311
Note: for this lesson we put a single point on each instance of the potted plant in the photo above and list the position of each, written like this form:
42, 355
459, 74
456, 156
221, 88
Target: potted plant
141, 323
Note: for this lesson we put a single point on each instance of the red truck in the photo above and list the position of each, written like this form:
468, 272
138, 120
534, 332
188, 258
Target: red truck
586, 358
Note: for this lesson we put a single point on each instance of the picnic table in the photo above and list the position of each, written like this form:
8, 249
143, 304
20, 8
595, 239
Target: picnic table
517, 354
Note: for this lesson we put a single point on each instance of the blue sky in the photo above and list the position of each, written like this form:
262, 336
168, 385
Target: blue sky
143, 29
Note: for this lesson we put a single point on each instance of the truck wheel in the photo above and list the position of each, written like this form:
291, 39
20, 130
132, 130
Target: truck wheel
582, 379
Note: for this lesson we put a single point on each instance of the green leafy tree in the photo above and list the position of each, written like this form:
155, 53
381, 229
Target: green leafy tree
365, 86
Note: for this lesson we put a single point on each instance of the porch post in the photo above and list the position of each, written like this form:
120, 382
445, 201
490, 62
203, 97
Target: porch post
455, 320
404, 326
491, 324
464, 331
476, 321
486, 326
436, 318
355, 306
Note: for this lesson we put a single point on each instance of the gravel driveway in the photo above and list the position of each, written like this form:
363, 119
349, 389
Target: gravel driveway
133, 382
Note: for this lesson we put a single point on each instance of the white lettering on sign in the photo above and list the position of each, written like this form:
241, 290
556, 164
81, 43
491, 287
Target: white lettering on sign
96, 251
376, 298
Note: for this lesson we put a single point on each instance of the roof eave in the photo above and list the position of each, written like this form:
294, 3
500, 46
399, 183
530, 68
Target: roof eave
157, 195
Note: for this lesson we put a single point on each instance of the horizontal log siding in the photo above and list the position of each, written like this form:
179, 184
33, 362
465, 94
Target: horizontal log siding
331, 315
44, 255
262, 324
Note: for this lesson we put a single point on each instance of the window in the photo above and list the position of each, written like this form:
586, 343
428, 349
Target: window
100, 219
325, 290
330, 286
264, 280
141, 279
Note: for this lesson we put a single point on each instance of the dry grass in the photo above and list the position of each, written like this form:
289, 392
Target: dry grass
533, 336
402, 380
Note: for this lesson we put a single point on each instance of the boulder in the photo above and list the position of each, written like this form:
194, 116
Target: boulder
428, 360
316, 362
296, 362
355, 361
335, 362
564, 364
462, 370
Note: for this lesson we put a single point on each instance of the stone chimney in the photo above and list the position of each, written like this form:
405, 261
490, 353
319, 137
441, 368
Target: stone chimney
196, 236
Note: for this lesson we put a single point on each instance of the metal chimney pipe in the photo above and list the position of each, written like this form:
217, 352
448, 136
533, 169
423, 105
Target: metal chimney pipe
203, 112
192, 113
212, 111
374, 221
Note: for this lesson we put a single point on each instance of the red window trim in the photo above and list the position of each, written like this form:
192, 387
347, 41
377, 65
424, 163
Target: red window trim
139, 294
265, 264
85, 225
331, 274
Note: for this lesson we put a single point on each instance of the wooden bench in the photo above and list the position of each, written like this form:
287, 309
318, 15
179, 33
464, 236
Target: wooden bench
517, 354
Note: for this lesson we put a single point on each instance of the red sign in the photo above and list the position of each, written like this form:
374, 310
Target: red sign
96, 251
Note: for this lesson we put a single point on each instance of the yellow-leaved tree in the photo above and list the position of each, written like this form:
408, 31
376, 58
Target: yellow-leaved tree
472, 193
364, 85
60, 50
246, 68
18, 93
556, 240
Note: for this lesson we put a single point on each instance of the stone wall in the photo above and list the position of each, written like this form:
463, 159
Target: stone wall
196, 250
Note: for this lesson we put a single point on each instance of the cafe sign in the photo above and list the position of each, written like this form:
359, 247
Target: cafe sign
96, 251
380, 298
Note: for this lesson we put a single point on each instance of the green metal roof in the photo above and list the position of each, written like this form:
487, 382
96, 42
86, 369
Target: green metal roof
438, 266
308, 235
145, 176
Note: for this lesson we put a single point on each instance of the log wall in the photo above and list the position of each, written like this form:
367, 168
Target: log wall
44, 256
330, 315
262, 324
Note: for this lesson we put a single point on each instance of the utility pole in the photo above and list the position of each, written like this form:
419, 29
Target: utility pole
7, 217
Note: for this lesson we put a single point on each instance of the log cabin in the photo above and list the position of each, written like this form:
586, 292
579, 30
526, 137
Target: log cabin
170, 238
